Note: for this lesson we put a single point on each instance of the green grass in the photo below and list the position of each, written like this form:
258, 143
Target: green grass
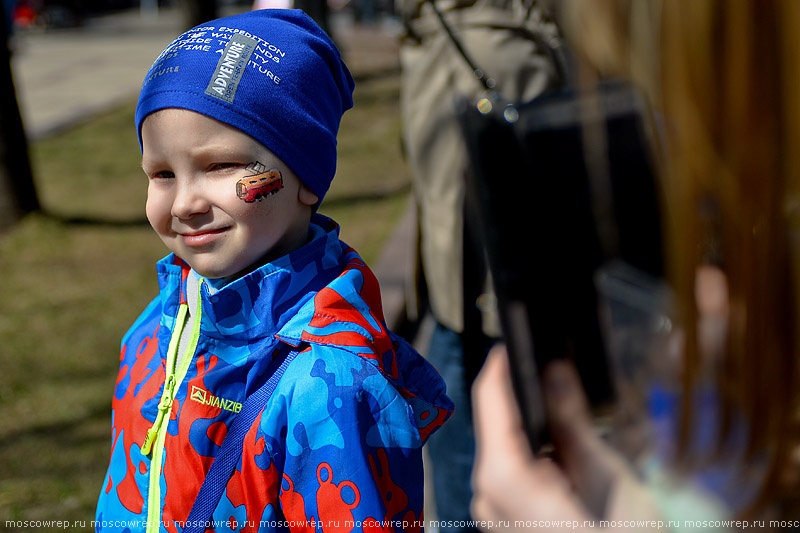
75, 278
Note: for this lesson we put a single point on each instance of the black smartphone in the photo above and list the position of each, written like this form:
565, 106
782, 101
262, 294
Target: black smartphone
558, 187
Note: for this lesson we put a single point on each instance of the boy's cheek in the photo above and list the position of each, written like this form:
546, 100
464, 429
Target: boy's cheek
150, 213
157, 210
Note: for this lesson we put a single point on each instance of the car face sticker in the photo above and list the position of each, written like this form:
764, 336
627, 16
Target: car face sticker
260, 184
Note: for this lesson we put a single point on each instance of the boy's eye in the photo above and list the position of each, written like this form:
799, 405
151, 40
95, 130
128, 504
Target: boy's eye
225, 166
163, 174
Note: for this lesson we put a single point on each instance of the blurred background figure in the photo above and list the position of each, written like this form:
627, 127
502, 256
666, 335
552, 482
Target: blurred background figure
725, 413
51, 13
449, 279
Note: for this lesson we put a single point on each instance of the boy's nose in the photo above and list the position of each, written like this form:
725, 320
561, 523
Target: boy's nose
189, 200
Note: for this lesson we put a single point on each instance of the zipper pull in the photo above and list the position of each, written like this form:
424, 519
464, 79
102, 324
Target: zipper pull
147, 445
164, 407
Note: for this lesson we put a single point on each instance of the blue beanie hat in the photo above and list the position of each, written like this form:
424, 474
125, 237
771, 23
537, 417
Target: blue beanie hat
273, 74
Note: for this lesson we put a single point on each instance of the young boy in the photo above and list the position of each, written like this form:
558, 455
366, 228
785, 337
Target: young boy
237, 121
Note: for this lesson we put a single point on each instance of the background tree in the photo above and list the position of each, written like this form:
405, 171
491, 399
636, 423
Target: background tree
17, 190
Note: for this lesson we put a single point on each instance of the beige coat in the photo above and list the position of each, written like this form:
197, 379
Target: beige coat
434, 77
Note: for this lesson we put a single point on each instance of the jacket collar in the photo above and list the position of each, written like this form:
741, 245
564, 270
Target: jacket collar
322, 293
260, 303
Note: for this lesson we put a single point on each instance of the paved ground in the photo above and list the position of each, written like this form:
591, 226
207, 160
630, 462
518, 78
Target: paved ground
63, 76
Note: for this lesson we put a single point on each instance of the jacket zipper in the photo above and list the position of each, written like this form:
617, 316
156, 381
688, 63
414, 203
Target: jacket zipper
157, 434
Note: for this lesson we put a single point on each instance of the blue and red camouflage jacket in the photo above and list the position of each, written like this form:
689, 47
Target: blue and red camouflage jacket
337, 448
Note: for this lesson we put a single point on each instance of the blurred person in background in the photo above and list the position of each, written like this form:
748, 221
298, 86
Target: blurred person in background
723, 75
449, 269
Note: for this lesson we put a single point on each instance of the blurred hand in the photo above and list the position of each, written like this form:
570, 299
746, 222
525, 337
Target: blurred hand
590, 481
508, 482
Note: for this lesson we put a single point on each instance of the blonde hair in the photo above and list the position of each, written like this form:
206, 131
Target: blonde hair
726, 76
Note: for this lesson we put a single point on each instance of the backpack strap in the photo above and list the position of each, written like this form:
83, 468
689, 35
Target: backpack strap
231, 450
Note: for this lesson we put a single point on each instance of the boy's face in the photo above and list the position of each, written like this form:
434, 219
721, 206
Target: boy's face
193, 164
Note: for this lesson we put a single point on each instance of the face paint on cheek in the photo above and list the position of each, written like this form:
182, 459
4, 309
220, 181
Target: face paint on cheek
260, 184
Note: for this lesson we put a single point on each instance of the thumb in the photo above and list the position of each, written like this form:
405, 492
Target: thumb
566, 404
591, 465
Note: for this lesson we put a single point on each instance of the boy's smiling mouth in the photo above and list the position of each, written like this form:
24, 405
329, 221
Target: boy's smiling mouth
202, 237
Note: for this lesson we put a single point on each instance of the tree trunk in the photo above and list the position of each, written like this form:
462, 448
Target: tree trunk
17, 191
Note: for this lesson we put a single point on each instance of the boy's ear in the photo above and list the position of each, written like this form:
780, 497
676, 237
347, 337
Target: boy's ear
307, 196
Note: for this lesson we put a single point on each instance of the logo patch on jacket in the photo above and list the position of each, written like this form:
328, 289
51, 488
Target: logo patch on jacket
206, 398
